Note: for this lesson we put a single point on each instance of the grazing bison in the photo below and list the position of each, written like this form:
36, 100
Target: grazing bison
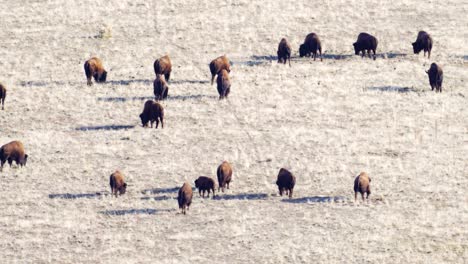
423, 42
203, 184
224, 174
285, 182
310, 46
152, 111
365, 42
93, 68
436, 76
362, 185
284, 51
2, 95
163, 66
117, 183
13, 151
224, 84
219, 64
185, 197
160, 88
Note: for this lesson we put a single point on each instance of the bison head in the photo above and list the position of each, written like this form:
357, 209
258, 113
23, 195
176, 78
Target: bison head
144, 120
24, 160
302, 50
416, 48
196, 183
123, 188
356, 48
103, 77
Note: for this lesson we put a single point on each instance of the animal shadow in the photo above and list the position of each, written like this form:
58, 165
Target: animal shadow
255, 60
107, 127
76, 195
124, 99
190, 97
42, 83
389, 88
158, 198
160, 190
188, 82
145, 211
336, 56
128, 82
316, 199
242, 196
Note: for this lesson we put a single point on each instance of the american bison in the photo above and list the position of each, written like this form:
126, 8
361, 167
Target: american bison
160, 88
219, 64
185, 197
310, 46
284, 52
93, 68
362, 185
224, 173
224, 84
117, 183
163, 66
2, 95
436, 76
13, 151
203, 184
152, 111
286, 181
423, 42
365, 42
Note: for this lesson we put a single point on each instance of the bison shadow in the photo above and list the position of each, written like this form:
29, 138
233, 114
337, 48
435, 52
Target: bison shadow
159, 198
390, 88
128, 82
125, 99
242, 196
316, 199
76, 195
44, 83
162, 190
256, 60
107, 127
190, 97
336, 56
188, 81
147, 211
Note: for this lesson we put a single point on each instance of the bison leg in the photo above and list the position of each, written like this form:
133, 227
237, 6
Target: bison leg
375, 56
320, 51
212, 78
280, 191
167, 76
290, 193
1, 164
429, 54
355, 196
10, 161
362, 195
157, 123
162, 121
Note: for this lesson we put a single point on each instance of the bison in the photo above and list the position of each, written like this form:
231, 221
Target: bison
310, 46
285, 181
362, 185
203, 184
284, 52
436, 76
224, 173
423, 42
160, 88
117, 183
224, 84
219, 64
163, 66
365, 42
2, 95
152, 111
93, 68
185, 197
13, 151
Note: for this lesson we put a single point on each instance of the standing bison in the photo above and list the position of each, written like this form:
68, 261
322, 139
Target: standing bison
362, 185
310, 46
365, 42
93, 68
163, 66
224, 173
423, 42
2, 95
152, 111
117, 183
284, 52
160, 88
203, 184
436, 76
218, 64
286, 181
223, 84
13, 151
184, 197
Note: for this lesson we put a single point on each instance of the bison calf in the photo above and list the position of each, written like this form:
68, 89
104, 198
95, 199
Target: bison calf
218, 64
436, 76
2, 95
163, 66
224, 84
365, 42
224, 173
117, 183
160, 88
311, 44
284, 52
13, 151
203, 184
362, 185
423, 42
286, 181
152, 111
93, 68
185, 197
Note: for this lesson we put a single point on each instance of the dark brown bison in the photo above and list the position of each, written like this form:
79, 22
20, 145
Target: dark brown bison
362, 185
365, 42
203, 184
284, 52
117, 183
219, 64
93, 68
152, 111
163, 66
224, 174
286, 181
224, 84
13, 151
160, 88
436, 76
2, 95
185, 197
310, 46
423, 42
